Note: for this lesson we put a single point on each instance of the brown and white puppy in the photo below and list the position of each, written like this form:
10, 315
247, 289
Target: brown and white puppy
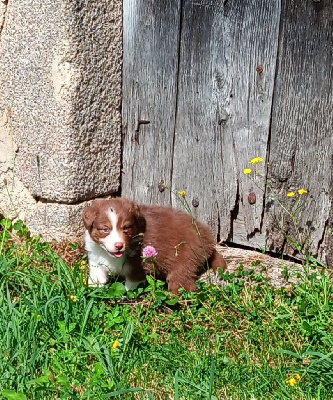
118, 230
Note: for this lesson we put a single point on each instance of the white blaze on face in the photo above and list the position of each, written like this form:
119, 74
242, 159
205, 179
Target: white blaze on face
114, 236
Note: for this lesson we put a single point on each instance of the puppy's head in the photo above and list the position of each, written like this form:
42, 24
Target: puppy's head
113, 223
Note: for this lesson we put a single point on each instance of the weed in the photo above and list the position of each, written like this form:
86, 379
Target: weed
297, 238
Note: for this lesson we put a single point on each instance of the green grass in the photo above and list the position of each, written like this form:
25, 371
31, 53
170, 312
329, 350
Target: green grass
243, 341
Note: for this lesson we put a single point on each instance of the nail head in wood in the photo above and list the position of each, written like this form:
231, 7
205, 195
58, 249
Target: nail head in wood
259, 69
195, 202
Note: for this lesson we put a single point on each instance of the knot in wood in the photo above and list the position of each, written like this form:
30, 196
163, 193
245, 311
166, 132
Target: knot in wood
251, 198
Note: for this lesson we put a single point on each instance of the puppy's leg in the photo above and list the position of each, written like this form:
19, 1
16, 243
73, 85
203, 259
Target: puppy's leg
217, 261
135, 276
177, 280
130, 285
98, 275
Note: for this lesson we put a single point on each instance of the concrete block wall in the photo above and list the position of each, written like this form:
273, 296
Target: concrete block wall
60, 110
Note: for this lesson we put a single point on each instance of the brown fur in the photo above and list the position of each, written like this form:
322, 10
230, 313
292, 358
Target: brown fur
181, 252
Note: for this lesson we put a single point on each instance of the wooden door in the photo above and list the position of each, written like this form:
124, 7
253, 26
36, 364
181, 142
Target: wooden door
207, 86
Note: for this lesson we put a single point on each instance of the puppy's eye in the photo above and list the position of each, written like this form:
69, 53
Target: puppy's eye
126, 228
105, 230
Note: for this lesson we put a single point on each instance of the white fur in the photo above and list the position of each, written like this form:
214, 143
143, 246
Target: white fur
114, 236
101, 264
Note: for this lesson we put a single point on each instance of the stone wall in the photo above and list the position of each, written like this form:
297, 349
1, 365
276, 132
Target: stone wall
60, 116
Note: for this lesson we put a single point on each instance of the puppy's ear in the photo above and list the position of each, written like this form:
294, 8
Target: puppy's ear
135, 210
141, 222
88, 216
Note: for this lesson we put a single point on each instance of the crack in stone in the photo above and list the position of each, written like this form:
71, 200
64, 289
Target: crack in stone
3, 17
44, 200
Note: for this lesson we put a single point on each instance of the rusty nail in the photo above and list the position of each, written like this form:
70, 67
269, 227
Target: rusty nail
143, 122
220, 121
259, 69
251, 198
195, 202
140, 122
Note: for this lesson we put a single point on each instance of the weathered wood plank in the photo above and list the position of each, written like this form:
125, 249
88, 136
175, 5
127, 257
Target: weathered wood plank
150, 65
223, 110
197, 143
301, 149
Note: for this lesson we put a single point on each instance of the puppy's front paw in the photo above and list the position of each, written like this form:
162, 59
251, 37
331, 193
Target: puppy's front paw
98, 276
130, 285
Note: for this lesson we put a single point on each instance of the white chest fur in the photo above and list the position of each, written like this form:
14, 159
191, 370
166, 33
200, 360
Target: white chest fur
102, 264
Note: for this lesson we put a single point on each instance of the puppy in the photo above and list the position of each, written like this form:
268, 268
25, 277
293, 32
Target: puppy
118, 229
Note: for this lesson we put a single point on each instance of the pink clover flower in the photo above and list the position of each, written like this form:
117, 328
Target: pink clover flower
149, 252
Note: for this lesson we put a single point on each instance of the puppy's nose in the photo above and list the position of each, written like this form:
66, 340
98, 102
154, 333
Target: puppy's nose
119, 245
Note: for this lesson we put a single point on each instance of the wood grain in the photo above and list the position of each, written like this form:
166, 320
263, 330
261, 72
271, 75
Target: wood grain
150, 66
223, 111
222, 82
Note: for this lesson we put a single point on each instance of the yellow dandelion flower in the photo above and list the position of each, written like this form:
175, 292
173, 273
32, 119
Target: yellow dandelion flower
247, 171
302, 191
182, 193
115, 345
73, 298
291, 382
290, 194
297, 377
256, 160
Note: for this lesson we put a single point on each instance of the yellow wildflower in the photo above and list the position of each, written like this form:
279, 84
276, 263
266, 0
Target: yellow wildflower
73, 298
182, 193
256, 160
302, 191
83, 265
291, 382
115, 345
290, 194
247, 171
